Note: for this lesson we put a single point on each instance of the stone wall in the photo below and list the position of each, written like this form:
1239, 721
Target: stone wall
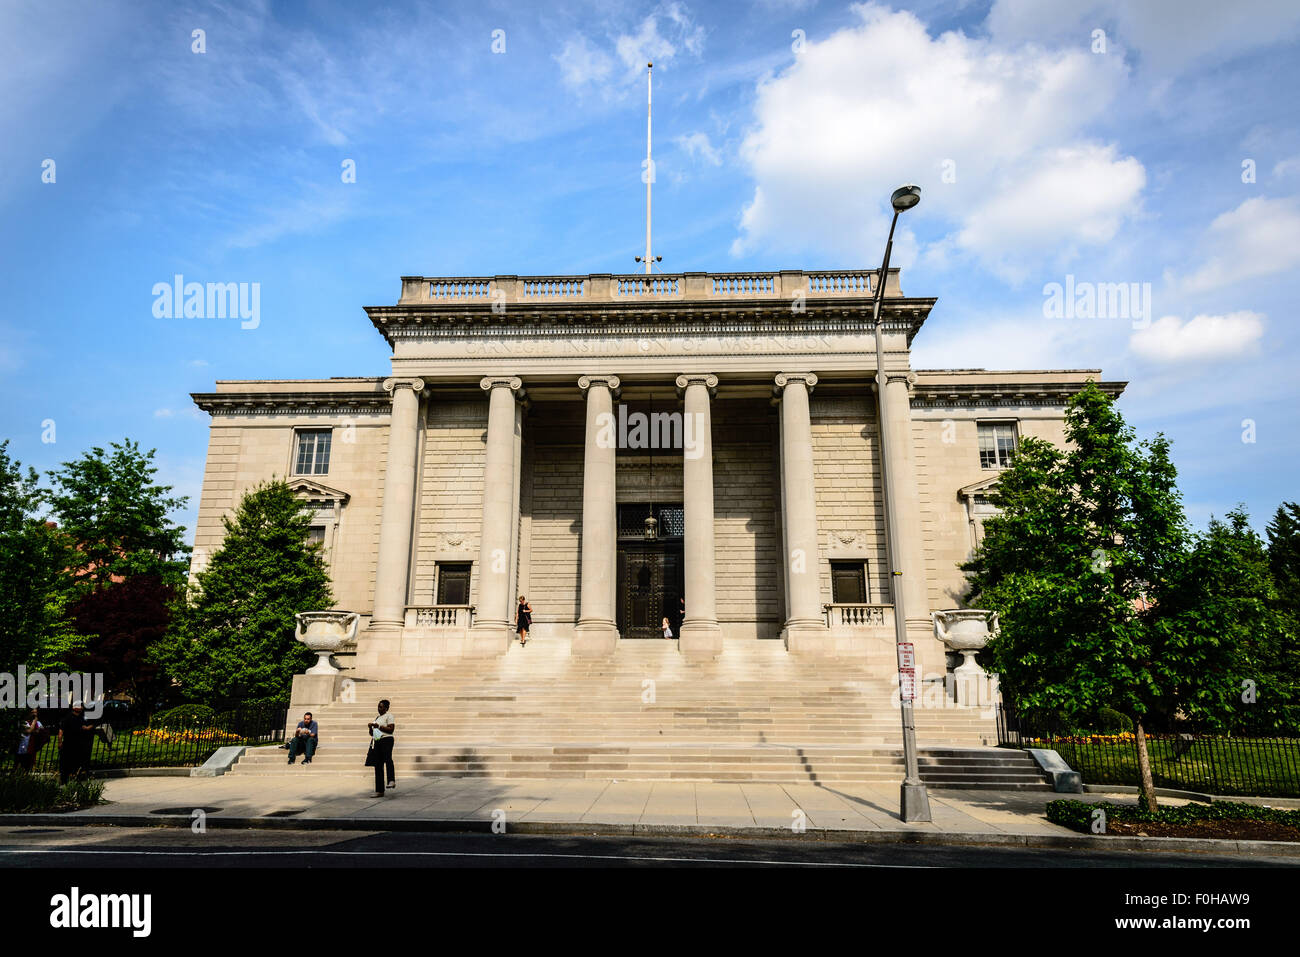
946, 446
450, 503
747, 541
850, 518
554, 433
244, 451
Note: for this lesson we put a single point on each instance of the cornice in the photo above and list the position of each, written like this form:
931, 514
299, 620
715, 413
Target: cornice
292, 403
468, 320
1002, 394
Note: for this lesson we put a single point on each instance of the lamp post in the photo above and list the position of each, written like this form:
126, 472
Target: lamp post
914, 801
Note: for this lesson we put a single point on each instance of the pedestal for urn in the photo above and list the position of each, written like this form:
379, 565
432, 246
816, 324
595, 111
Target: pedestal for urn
967, 631
324, 632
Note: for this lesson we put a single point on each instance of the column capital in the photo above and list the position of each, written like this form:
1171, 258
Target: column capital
809, 379
706, 379
391, 385
907, 377
511, 382
612, 382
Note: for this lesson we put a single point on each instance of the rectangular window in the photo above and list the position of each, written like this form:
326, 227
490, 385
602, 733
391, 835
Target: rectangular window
316, 535
313, 454
453, 584
997, 442
848, 583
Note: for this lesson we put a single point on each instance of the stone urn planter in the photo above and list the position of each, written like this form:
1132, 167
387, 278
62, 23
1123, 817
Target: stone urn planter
325, 632
967, 630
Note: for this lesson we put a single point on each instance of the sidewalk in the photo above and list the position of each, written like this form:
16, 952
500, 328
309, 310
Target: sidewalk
301, 799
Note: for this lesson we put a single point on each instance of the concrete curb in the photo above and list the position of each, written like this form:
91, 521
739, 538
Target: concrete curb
966, 838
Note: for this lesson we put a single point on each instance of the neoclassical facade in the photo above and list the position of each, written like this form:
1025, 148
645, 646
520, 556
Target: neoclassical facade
703, 448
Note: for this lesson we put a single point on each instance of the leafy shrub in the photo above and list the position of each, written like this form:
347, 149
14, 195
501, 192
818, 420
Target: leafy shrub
25, 793
1111, 721
181, 716
1077, 815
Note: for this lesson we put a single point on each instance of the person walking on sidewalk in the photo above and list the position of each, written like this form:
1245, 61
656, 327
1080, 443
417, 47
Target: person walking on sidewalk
523, 620
380, 756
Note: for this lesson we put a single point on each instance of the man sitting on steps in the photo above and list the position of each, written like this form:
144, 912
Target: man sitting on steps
304, 740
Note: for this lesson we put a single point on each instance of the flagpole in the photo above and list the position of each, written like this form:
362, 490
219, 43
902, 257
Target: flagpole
649, 165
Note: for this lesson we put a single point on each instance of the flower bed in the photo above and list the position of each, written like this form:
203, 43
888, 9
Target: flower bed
1229, 820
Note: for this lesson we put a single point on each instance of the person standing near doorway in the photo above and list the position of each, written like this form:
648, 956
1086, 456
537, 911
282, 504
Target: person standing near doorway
668, 628
381, 748
523, 620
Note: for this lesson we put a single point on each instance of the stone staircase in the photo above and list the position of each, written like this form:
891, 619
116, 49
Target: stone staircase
754, 714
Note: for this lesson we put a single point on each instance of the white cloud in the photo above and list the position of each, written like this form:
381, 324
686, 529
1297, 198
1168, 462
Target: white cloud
658, 39
994, 136
1287, 167
1170, 340
1258, 238
698, 145
1167, 36
582, 64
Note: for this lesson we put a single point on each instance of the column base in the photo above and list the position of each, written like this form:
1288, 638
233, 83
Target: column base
381, 641
807, 637
594, 639
700, 639
488, 639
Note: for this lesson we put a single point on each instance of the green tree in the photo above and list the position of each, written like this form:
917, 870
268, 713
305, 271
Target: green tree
1284, 560
127, 562
233, 638
1084, 564
1225, 588
35, 591
117, 517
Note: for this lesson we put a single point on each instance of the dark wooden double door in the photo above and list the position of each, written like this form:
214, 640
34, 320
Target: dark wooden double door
650, 587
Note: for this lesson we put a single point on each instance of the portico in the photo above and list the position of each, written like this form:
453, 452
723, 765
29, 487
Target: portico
501, 457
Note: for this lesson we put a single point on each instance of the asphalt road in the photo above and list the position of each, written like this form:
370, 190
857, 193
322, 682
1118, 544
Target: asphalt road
90, 847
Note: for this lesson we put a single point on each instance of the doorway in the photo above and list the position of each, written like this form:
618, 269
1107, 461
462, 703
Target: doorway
651, 575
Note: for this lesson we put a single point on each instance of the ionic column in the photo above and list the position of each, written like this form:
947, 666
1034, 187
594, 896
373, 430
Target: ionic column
493, 624
805, 625
903, 515
700, 634
392, 568
597, 631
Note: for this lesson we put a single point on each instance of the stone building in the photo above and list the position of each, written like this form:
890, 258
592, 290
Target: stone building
531, 426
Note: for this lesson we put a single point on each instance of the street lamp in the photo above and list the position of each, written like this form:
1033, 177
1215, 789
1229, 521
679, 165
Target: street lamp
914, 801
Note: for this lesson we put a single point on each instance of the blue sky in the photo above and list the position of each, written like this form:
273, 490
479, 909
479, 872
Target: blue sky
1044, 148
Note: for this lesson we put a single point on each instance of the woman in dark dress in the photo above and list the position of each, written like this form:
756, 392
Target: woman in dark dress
523, 620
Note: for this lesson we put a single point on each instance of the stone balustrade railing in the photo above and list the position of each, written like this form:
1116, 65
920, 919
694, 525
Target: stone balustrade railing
439, 616
638, 287
840, 616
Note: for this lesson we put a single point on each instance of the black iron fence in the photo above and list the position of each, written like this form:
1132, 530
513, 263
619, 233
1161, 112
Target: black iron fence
1212, 763
175, 741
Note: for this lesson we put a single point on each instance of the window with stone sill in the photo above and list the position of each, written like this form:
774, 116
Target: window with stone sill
312, 455
453, 583
849, 583
997, 443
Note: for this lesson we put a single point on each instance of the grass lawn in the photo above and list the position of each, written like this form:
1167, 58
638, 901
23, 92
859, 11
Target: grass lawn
1262, 767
